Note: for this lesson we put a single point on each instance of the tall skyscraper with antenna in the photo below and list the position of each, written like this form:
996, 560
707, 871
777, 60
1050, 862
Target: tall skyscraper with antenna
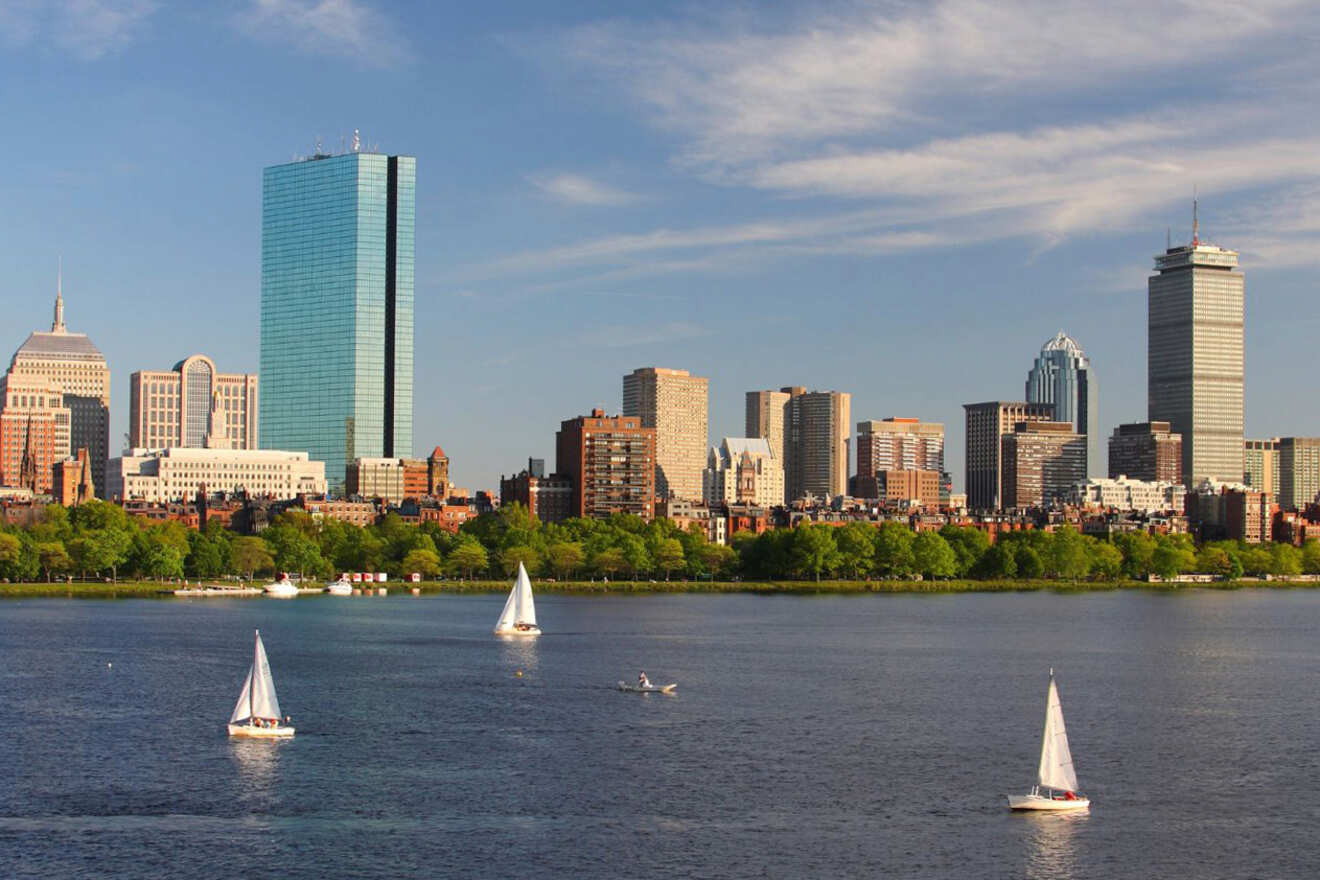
1195, 362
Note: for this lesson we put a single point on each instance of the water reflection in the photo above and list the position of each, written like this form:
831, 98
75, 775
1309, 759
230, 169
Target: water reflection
519, 654
1052, 844
258, 764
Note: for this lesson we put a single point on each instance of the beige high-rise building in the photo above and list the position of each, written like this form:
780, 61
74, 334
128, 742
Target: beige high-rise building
811, 427
1195, 366
765, 419
192, 406
817, 424
676, 404
78, 372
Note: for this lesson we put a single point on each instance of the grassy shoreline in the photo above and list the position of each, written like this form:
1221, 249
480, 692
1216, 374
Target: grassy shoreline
156, 589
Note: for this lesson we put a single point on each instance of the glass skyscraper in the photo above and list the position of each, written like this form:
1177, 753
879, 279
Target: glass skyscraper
337, 247
1194, 366
1062, 377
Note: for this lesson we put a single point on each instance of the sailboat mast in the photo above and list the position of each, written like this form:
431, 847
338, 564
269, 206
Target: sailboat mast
252, 675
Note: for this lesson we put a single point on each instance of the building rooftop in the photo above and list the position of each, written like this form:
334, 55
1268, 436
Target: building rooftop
73, 346
1063, 342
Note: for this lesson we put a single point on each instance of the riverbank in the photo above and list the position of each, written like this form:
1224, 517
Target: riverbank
157, 589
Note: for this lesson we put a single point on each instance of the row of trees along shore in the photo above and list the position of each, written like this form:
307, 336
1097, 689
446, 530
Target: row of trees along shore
100, 540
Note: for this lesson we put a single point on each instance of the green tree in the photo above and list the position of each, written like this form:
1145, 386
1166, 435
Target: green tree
424, 562
968, 544
932, 556
856, 545
250, 556
1311, 556
814, 550
998, 561
565, 557
293, 549
634, 551
893, 549
161, 561
669, 556
1138, 549
10, 548
511, 556
54, 558
1171, 557
1285, 560
1028, 562
718, 560
1066, 556
609, 561
1105, 560
469, 556
1214, 560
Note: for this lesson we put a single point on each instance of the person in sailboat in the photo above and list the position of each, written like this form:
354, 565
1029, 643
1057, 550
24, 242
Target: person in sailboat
642, 680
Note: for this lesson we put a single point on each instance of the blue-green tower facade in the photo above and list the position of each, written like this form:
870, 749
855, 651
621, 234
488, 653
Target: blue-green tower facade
337, 249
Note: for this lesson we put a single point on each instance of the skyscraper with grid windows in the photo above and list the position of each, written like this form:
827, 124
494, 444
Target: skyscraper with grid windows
1194, 364
337, 248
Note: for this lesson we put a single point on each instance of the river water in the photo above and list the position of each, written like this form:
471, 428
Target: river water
857, 736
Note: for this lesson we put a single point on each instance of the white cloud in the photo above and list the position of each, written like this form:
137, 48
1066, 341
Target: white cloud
647, 334
958, 121
578, 190
341, 28
87, 29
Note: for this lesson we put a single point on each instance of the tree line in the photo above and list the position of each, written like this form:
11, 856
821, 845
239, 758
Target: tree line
100, 540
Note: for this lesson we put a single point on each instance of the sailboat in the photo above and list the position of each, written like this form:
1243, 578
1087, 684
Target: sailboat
257, 712
1056, 774
519, 615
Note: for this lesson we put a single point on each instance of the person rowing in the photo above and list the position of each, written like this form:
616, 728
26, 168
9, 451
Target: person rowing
642, 680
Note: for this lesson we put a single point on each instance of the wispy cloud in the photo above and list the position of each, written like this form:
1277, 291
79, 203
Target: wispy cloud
87, 29
579, 190
955, 122
618, 336
339, 28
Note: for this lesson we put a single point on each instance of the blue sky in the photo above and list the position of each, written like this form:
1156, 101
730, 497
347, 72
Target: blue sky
902, 200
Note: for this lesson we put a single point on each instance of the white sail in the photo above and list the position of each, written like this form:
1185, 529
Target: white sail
258, 698
519, 608
242, 709
1056, 767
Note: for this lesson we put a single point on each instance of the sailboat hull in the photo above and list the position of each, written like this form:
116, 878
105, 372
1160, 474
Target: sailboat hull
510, 631
1041, 802
245, 730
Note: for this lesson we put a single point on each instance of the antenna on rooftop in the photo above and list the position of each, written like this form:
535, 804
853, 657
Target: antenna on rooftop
1196, 225
1168, 238
357, 141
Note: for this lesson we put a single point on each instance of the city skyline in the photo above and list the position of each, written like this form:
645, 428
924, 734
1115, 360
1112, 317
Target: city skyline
659, 239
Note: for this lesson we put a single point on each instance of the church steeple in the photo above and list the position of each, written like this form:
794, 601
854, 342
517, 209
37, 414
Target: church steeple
58, 325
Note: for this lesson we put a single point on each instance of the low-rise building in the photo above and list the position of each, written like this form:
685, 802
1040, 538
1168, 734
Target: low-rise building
743, 470
1146, 451
548, 498
390, 480
1230, 511
72, 480
1124, 494
179, 473
1043, 460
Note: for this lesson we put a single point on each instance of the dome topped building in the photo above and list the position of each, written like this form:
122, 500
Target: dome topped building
1062, 377
76, 371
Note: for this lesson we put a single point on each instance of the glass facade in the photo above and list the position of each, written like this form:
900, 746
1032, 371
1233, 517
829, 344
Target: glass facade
1062, 377
337, 278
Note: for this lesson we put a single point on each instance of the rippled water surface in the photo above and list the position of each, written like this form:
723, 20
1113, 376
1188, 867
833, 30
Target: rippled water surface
866, 736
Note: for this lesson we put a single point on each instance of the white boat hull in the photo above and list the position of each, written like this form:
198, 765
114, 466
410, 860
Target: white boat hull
1041, 802
533, 631
653, 689
281, 591
340, 589
248, 730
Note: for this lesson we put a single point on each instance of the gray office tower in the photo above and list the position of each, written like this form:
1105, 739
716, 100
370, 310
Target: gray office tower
1194, 364
1062, 377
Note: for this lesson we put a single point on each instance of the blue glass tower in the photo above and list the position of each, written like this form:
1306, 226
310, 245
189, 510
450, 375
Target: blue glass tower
337, 247
1062, 377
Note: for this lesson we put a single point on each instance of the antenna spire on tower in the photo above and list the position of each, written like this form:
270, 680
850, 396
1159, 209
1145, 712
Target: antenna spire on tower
58, 325
1196, 226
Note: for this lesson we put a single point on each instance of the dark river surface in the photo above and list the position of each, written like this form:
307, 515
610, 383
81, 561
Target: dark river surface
859, 736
